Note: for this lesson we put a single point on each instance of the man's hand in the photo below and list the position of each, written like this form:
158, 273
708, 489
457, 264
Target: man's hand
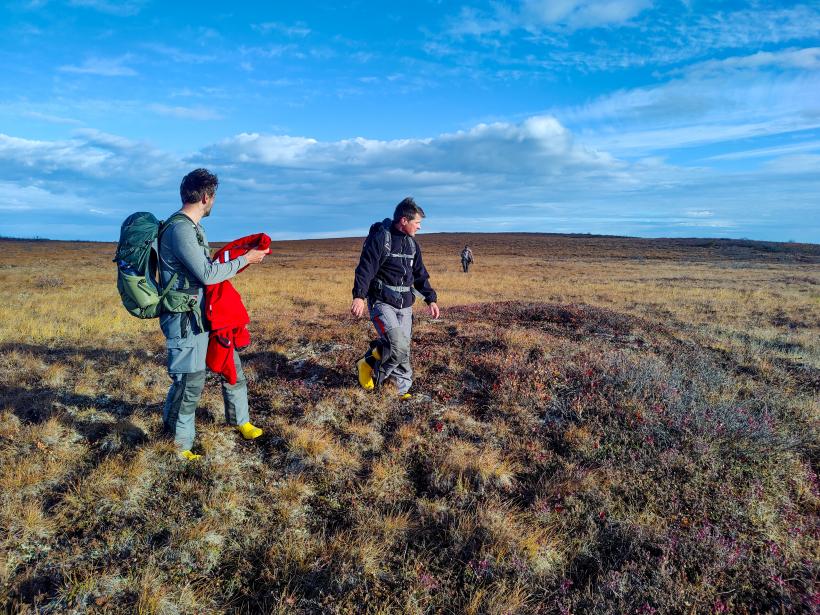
434, 311
357, 308
255, 256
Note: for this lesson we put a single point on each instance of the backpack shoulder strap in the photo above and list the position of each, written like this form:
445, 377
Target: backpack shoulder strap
164, 226
179, 217
387, 242
388, 247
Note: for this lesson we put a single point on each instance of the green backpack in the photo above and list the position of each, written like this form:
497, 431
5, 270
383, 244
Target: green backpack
137, 257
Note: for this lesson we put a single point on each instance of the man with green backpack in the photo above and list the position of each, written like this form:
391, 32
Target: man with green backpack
185, 268
184, 253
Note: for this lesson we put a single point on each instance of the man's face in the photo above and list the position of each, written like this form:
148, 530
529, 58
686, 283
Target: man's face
209, 204
410, 226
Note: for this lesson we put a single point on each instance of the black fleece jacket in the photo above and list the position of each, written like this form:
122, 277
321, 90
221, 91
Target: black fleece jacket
375, 264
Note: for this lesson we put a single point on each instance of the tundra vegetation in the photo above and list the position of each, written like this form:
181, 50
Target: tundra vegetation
602, 425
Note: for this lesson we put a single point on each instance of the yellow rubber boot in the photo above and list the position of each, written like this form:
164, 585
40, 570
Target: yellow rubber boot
249, 431
406, 397
189, 456
365, 375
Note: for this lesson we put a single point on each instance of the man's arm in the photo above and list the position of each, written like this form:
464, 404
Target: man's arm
366, 270
186, 248
368, 267
421, 282
421, 279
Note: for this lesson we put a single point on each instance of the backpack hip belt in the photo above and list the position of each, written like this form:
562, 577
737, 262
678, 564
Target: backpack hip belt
397, 289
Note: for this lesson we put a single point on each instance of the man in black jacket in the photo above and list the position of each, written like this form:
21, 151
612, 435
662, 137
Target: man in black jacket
389, 274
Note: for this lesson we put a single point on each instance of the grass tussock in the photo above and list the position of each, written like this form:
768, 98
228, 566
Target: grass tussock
603, 426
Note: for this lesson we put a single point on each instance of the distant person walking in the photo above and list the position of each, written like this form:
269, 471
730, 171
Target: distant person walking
184, 252
389, 274
466, 258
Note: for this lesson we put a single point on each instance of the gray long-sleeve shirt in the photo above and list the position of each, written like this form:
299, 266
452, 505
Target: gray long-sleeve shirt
181, 253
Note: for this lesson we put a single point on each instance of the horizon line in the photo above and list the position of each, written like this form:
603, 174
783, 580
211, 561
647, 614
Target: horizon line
531, 233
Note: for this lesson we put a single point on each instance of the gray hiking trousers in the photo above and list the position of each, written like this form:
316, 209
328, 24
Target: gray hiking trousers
395, 328
179, 412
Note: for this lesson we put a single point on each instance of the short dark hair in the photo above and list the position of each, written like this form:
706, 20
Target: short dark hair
407, 209
197, 184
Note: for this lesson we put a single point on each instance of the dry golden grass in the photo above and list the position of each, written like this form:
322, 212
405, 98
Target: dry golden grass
605, 425
709, 285
467, 468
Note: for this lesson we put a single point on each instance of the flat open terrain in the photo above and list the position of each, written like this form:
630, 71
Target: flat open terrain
603, 425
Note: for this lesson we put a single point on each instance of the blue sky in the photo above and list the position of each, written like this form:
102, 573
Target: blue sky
629, 117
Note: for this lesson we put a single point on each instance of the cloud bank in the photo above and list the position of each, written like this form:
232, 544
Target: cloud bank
533, 175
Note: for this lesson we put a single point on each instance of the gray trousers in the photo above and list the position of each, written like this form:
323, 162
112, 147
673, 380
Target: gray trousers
179, 411
395, 328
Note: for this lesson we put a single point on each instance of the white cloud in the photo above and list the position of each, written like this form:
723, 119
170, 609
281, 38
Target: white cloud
187, 113
27, 198
666, 40
662, 35
48, 156
295, 31
537, 145
579, 14
179, 55
751, 27
798, 165
638, 141
105, 67
538, 15
51, 119
720, 224
766, 152
730, 101
265, 149
122, 8
272, 51
807, 59
99, 157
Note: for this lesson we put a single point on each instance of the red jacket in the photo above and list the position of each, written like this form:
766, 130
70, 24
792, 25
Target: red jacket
226, 313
